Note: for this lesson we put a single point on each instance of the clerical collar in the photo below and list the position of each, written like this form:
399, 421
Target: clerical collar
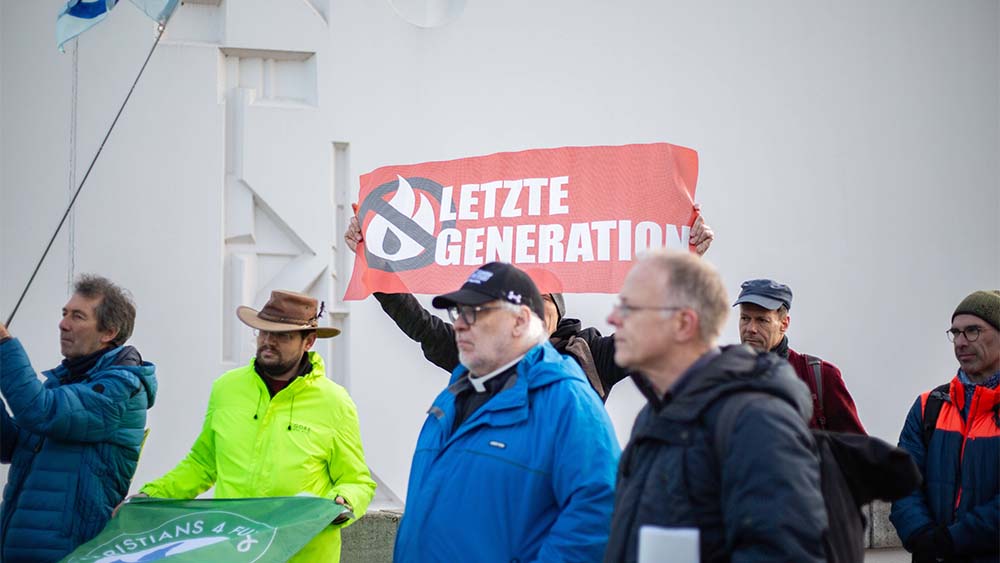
479, 383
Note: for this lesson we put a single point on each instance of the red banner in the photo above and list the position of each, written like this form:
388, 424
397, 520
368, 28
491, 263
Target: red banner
574, 218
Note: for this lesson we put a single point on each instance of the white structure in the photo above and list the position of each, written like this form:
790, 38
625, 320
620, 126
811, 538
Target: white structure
847, 149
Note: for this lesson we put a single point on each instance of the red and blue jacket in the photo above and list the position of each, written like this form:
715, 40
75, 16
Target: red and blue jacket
961, 468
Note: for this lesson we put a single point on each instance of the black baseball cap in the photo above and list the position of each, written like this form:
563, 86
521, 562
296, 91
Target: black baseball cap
496, 280
768, 294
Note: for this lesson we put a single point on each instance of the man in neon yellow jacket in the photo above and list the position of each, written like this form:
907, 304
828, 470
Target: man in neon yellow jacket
278, 426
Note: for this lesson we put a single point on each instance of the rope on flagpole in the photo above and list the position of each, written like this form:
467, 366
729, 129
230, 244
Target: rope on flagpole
73, 138
159, 33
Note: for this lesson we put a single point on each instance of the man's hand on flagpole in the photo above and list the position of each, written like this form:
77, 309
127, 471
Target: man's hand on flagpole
117, 508
3, 332
701, 234
353, 235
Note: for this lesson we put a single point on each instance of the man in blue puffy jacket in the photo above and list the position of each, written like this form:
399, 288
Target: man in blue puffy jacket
516, 459
955, 516
73, 441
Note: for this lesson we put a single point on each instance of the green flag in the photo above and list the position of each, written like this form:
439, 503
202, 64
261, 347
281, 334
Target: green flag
256, 530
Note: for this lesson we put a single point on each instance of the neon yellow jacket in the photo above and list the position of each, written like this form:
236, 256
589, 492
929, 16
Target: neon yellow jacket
304, 440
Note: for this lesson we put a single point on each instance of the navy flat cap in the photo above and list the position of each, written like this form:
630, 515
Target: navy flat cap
768, 294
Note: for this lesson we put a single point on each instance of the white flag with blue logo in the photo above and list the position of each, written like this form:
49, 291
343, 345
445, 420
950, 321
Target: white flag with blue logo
81, 15
158, 10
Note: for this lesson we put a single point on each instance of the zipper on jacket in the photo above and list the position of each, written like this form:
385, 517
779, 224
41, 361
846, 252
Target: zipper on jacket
261, 427
966, 427
265, 423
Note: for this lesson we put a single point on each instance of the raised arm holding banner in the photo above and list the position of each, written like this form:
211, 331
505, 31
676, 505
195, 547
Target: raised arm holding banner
591, 350
580, 213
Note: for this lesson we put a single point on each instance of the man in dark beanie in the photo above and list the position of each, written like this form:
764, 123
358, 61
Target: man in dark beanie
953, 433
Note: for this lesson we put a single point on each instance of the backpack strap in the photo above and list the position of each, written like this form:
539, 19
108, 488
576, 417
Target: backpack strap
731, 408
728, 406
816, 365
932, 409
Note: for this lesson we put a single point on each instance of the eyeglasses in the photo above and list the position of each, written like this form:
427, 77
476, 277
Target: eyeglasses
971, 333
468, 312
279, 337
623, 310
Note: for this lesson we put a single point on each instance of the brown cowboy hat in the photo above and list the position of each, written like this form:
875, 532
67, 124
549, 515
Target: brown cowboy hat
287, 311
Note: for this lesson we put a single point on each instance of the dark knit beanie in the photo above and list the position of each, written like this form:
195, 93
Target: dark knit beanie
984, 304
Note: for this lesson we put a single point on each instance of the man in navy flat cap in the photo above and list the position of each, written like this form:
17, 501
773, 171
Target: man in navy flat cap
764, 306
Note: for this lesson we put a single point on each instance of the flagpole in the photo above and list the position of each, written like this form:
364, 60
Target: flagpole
160, 28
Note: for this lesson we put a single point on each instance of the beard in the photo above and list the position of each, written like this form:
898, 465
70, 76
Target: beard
276, 367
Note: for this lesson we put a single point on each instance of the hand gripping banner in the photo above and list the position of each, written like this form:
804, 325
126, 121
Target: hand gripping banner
248, 530
574, 218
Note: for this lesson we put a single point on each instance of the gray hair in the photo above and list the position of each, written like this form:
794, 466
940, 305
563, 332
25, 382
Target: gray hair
115, 311
694, 283
536, 332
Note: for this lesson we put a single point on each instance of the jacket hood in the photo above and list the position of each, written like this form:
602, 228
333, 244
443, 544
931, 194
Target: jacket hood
125, 358
546, 354
319, 368
129, 359
741, 368
566, 328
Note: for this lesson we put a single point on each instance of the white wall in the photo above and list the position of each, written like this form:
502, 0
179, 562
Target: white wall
849, 150
842, 148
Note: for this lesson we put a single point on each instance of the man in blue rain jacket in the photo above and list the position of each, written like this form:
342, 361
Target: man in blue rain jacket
516, 460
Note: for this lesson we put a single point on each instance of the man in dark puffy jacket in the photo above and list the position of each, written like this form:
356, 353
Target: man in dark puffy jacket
591, 350
73, 441
955, 516
753, 493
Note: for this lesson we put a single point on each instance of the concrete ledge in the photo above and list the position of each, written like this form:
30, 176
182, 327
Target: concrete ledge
371, 539
881, 533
